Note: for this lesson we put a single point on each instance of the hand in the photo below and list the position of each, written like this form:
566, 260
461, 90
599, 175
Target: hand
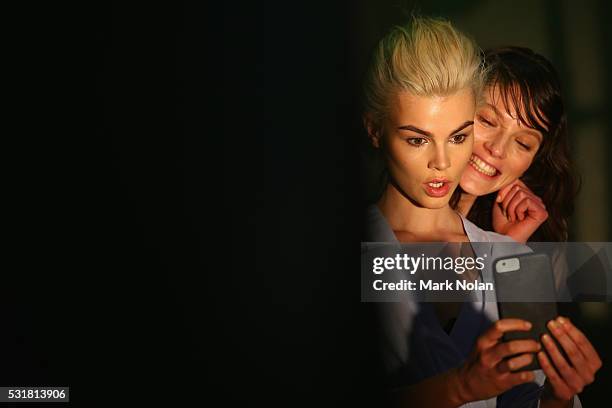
487, 372
518, 212
568, 379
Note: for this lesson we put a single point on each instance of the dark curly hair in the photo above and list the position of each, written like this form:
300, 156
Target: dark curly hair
528, 82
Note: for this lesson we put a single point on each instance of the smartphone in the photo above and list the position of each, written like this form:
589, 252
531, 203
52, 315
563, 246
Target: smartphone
520, 281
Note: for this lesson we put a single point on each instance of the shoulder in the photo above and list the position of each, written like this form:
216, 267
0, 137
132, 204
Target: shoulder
477, 234
376, 227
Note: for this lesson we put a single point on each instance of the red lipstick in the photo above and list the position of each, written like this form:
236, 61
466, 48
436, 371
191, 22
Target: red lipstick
438, 187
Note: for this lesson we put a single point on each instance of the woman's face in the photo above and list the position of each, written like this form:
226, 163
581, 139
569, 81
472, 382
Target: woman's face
503, 147
427, 142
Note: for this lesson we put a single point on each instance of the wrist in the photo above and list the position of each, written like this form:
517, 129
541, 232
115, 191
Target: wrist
548, 398
458, 392
556, 403
520, 237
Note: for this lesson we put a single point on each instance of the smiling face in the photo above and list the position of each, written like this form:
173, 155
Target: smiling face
504, 148
427, 143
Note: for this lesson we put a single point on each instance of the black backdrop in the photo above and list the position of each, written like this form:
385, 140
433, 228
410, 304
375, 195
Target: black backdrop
232, 206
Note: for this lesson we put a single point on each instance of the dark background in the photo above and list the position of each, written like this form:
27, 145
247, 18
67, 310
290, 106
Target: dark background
232, 203
201, 239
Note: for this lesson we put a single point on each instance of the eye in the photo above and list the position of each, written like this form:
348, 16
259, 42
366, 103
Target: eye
458, 139
486, 121
524, 145
416, 141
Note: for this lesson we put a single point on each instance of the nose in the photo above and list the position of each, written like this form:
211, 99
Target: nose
496, 146
440, 159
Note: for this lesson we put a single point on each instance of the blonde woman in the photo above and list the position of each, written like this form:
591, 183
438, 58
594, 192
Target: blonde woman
421, 95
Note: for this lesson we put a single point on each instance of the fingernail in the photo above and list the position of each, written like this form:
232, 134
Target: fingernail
528, 325
561, 320
553, 325
546, 338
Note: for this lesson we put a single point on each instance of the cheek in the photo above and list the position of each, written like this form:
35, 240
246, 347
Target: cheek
412, 169
471, 186
481, 134
479, 141
462, 156
396, 154
519, 164
403, 160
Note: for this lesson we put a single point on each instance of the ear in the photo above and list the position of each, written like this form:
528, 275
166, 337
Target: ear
373, 128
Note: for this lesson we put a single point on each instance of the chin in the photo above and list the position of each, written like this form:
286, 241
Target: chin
435, 203
473, 188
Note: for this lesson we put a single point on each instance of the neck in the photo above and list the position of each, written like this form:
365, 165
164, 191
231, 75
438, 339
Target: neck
404, 215
466, 201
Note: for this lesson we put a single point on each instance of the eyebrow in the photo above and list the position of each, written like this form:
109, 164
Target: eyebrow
494, 108
535, 134
527, 130
429, 134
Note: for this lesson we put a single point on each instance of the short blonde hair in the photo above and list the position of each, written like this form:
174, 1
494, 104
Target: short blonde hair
427, 57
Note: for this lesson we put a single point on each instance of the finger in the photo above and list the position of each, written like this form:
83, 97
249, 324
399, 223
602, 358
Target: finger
575, 356
502, 192
514, 347
523, 197
514, 363
528, 190
490, 337
511, 348
528, 193
522, 209
584, 345
522, 377
525, 186
528, 207
509, 194
569, 374
560, 387
521, 183
536, 197
517, 198
507, 198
